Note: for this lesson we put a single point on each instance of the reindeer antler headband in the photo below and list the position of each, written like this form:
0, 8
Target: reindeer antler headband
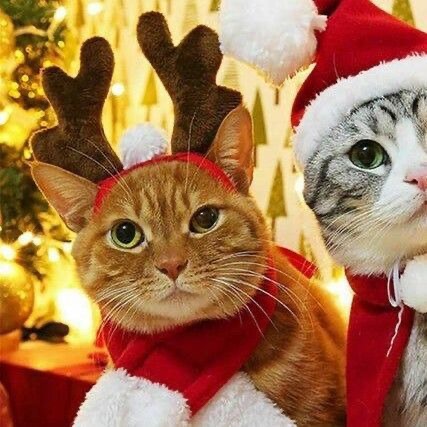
188, 72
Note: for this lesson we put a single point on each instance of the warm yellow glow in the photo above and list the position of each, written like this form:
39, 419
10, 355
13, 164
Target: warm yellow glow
4, 116
25, 238
6, 268
341, 290
75, 310
117, 89
37, 240
7, 252
67, 246
53, 255
60, 14
95, 8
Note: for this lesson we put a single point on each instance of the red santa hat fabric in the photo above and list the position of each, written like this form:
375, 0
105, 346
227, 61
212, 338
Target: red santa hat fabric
360, 53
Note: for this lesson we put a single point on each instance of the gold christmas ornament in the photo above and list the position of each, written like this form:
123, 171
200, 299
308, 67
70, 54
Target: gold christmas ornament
7, 38
16, 296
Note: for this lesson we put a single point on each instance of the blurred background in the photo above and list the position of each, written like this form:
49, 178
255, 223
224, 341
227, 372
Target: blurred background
38, 284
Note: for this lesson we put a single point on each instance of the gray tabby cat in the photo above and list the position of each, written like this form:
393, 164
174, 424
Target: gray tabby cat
366, 184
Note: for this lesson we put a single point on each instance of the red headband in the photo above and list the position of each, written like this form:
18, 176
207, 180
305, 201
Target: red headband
105, 186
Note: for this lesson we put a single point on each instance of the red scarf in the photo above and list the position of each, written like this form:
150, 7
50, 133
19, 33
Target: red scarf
377, 337
197, 360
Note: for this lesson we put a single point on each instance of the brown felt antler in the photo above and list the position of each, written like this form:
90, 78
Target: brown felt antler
188, 72
78, 143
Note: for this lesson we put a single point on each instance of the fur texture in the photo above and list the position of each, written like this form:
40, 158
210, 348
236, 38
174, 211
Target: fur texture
200, 104
373, 219
118, 398
285, 38
77, 143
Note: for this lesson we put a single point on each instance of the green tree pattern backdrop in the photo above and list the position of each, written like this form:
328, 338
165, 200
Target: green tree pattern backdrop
402, 10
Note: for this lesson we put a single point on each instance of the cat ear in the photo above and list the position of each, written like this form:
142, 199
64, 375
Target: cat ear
233, 148
70, 195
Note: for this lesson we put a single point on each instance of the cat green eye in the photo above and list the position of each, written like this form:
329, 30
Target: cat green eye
126, 235
367, 154
204, 220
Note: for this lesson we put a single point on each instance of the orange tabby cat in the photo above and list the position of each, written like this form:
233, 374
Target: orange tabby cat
171, 246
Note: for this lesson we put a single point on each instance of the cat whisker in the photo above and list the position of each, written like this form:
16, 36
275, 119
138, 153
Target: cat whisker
190, 130
237, 292
117, 180
250, 273
227, 295
229, 281
264, 292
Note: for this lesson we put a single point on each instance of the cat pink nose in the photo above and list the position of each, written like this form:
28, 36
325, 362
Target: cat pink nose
171, 266
418, 177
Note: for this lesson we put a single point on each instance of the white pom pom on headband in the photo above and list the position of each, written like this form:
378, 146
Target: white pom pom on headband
141, 143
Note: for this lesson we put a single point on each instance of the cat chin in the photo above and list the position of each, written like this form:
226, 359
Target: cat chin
370, 257
159, 316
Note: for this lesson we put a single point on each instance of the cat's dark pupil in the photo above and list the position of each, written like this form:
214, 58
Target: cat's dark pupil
206, 218
368, 153
125, 232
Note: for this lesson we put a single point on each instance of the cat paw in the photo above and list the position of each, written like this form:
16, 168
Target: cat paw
414, 284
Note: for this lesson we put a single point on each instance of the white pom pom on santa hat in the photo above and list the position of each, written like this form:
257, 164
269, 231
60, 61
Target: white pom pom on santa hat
276, 36
413, 284
141, 143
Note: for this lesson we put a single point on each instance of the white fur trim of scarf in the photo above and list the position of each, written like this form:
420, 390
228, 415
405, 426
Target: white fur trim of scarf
413, 284
119, 400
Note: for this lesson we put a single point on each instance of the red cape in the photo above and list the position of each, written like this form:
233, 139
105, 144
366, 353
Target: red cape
377, 337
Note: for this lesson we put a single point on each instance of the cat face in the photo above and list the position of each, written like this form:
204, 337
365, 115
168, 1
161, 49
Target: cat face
367, 183
170, 244
165, 245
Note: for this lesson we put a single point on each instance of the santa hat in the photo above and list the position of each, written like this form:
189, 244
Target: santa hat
361, 53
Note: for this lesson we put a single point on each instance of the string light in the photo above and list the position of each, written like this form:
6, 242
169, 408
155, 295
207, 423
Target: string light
341, 290
7, 252
4, 116
7, 268
95, 8
53, 254
75, 309
37, 240
25, 238
60, 14
67, 246
117, 89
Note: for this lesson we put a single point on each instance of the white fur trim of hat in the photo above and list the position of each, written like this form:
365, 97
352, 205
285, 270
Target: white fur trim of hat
285, 40
338, 100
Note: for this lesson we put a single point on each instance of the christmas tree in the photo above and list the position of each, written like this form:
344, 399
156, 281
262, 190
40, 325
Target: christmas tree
32, 237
